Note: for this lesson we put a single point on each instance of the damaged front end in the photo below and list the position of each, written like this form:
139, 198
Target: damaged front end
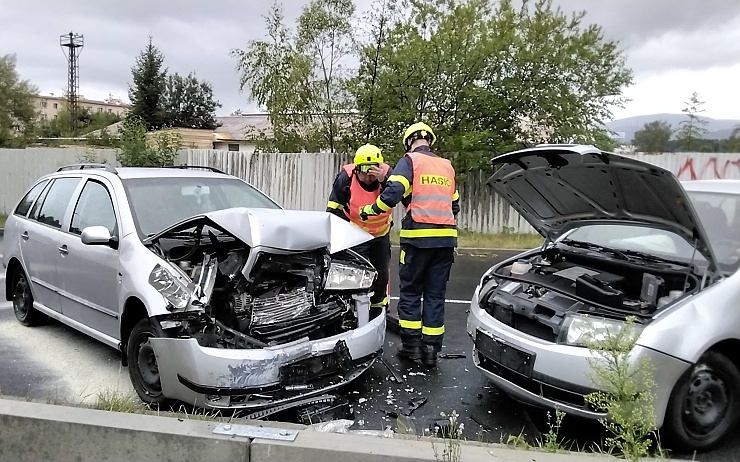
251, 326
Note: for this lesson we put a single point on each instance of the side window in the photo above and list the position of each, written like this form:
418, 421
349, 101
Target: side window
56, 201
25, 204
94, 208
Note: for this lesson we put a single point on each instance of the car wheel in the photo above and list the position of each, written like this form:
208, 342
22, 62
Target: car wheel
142, 364
704, 405
23, 301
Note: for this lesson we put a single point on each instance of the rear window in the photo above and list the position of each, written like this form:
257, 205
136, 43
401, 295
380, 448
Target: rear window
56, 201
25, 204
158, 203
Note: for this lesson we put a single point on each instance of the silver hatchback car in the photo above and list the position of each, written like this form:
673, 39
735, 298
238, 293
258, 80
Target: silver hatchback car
623, 238
214, 295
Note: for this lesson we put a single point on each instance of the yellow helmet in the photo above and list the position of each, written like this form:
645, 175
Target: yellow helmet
418, 131
367, 155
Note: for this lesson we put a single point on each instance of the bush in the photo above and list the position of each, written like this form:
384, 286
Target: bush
158, 150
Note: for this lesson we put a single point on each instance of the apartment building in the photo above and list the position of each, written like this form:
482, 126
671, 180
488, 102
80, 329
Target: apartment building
49, 107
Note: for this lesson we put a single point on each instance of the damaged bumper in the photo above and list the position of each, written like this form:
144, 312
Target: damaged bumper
219, 378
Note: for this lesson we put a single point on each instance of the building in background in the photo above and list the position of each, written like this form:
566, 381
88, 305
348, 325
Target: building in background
49, 107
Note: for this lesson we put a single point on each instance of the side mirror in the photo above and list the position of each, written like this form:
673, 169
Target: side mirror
98, 235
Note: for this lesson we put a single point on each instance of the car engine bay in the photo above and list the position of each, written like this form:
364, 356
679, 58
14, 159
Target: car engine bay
535, 295
256, 298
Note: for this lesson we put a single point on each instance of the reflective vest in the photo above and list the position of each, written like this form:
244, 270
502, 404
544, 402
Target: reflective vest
377, 225
432, 190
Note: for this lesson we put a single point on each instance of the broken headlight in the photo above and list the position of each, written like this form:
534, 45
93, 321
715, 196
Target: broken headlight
172, 289
345, 277
582, 330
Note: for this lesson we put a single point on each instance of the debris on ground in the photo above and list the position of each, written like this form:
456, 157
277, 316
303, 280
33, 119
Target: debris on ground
333, 426
339, 409
405, 426
418, 373
394, 373
415, 404
452, 355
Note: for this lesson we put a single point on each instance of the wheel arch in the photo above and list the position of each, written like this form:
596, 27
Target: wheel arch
13, 264
134, 310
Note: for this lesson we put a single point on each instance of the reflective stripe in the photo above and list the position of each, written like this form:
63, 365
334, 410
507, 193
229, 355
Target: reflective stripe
382, 205
433, 213
433, 330
456, 196
404, 181
334, 205
409, 324
444, 232
432, 197
381, 303
403, 256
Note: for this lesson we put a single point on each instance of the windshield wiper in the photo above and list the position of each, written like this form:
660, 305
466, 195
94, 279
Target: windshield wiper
587, 245
649, 257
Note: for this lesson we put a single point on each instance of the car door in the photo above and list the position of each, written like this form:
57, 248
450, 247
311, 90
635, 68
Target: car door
40, 236
88, 274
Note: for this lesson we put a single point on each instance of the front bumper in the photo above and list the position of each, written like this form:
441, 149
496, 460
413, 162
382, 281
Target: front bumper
550, 375
218, 378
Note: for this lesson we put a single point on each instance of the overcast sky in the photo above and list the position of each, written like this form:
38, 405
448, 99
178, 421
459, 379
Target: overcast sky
675, 47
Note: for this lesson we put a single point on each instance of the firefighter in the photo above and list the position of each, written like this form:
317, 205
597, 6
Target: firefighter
357, 184
425, 184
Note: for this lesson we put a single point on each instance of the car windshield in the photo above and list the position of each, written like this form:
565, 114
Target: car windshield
158, 203
720, 216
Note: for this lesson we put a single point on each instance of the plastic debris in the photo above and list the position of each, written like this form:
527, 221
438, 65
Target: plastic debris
418, 373
452, 355
333, 426
405, 426
361, 400
415, 404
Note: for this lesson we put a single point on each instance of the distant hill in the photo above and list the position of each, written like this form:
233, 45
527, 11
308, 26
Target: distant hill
717, 129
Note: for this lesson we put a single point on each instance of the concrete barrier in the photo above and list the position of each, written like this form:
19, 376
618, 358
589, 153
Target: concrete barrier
40, 432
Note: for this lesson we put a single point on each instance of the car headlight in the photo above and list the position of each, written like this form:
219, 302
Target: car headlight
344, 277
174, 291
582, 330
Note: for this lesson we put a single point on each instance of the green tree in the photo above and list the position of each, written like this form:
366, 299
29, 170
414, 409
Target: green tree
653, 137
149, 86
489, 79
87, 121
17, 112
137, 149
188, 103
733, 144
691, 132
298, 76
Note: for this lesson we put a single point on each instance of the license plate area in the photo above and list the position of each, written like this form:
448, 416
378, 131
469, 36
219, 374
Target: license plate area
504, 354
303, 371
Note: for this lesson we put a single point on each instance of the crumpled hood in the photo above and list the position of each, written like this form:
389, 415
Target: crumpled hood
559, 187
293, 230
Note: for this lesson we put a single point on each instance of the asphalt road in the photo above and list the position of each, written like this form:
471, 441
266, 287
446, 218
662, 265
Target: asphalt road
56, 364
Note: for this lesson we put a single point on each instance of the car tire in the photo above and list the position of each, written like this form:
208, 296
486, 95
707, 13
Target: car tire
142, 364
704, 405
23, 308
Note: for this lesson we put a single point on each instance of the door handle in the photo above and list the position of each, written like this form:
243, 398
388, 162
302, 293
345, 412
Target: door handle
63, 250
24, 235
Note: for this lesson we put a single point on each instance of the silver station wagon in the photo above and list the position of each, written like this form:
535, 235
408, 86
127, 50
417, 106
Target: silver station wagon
623, 238
215, 295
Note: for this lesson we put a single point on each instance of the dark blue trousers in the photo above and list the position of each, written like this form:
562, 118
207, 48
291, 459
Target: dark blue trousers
423, 272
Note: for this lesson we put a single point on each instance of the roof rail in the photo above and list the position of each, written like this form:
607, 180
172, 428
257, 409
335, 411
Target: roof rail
106, 167
197, 167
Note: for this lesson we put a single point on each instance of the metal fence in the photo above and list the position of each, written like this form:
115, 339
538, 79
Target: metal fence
303, 180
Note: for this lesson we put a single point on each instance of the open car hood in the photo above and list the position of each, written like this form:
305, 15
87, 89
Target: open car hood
292, 230
559, 187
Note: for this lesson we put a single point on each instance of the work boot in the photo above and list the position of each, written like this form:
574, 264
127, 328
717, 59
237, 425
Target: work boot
429, 357
409, 352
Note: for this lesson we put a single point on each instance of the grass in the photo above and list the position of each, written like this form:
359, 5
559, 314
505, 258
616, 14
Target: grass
3, 217
471, 239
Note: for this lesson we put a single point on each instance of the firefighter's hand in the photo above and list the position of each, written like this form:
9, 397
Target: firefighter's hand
366, 211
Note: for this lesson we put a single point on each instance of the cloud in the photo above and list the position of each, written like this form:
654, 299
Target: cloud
683, 45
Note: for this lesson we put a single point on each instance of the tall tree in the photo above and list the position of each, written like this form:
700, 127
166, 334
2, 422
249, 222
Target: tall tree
692, 130
17, 111
490, 78
733, 144
149, 86
188, 103
653, 137
299, 77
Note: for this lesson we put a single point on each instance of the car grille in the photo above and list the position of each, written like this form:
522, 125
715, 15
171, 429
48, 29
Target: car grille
522, 323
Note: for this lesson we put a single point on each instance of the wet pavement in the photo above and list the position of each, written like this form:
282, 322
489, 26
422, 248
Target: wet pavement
486, 413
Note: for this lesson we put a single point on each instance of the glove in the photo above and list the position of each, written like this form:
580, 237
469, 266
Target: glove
366, 211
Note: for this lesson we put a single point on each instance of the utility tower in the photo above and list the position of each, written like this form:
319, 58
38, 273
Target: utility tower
73, 43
